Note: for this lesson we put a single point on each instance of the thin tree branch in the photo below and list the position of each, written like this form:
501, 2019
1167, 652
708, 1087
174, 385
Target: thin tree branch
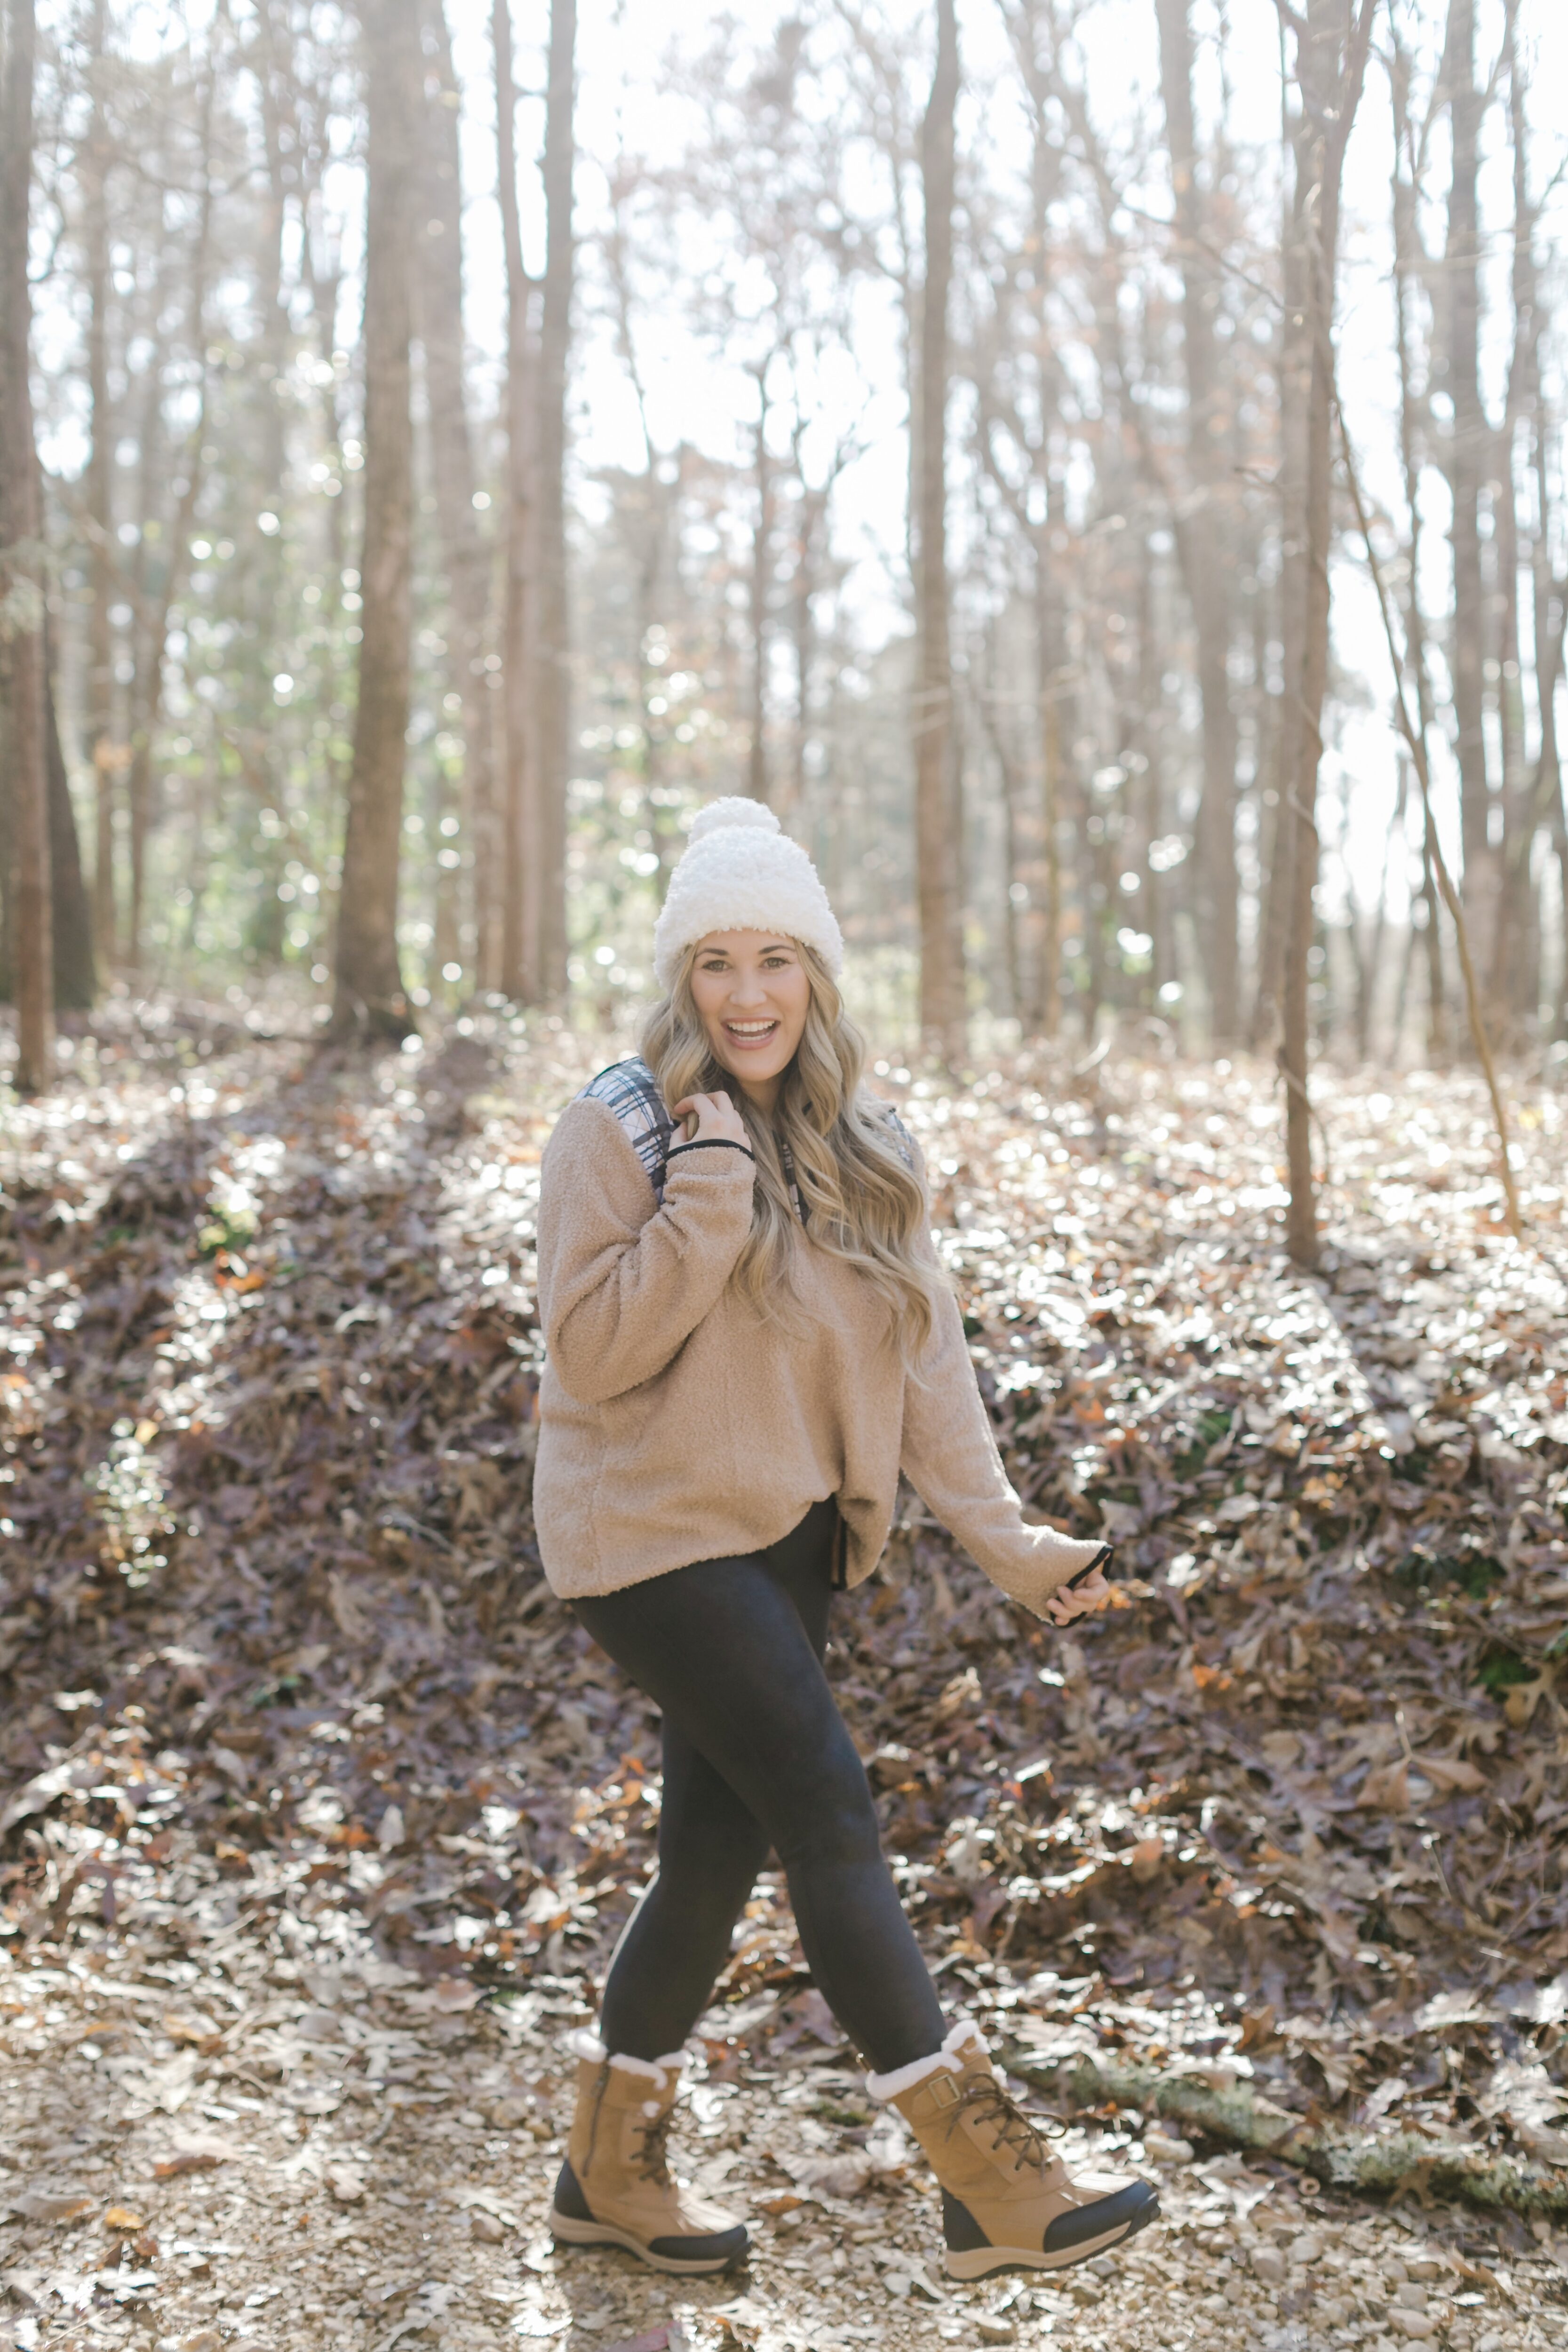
1414, 738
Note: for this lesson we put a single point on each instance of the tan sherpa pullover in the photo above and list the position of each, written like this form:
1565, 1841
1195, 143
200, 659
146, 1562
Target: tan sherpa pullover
678, 1424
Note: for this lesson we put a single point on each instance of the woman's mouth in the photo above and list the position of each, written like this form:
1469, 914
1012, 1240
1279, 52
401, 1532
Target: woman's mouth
746, 1036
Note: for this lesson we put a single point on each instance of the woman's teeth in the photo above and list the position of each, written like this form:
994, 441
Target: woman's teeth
750, 1032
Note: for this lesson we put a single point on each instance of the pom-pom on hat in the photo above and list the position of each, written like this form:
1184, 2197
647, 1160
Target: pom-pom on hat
740, 873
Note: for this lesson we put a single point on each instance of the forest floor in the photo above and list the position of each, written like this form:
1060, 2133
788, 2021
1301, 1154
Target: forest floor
319, 1814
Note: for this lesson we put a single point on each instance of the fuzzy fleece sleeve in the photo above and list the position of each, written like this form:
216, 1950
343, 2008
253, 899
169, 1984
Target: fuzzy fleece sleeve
619, 1290
950, 1456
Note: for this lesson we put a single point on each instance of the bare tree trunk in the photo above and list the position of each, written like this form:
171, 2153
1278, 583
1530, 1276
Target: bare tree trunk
994, 720
1514, 978
1330, 67
803, 634
1511, 973
520, 927
657, 502
1469, 455
1405, 199
1034, 32
70, 914
1367, 956
1151, 735
264, 588
1011, 945
1549, 600
99, 683
939, 849
1432, 940
1304, 429
368, 998
1046, 1003
464, 548
1269, 968
761, 572
271, 72
1560, 844
152, 468
1293, 360
156, 611
555, 633
1200, 532
22, 572
321, 272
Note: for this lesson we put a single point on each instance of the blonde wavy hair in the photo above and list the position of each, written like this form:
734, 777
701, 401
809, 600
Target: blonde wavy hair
864, 1200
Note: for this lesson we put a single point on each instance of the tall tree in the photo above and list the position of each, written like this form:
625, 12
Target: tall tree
1405, 199
1531, 796
1469, 456
520, 927
368, 997
272, 61
760, 587
1034, 490
651, 504
93, 167
22, 572
938, 831
157, 610
71, 912
554, 636
1198, 519
1330, 71
465, 549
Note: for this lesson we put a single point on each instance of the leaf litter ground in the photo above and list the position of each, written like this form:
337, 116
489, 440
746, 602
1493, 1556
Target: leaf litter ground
320, 1815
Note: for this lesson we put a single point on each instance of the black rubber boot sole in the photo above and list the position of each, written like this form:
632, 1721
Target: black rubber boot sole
572, 2223
1072, 2238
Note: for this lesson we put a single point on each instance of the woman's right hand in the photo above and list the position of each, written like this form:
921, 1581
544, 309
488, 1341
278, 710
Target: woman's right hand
712, 1118
1079, 1600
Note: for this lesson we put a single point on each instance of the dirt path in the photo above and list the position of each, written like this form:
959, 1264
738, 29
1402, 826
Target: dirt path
271, 2154
318, 1815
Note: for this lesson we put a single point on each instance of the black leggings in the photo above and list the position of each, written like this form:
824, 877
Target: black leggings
756, 1755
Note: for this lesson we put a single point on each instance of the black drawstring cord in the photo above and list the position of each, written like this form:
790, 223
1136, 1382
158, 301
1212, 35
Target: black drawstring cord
711, 1144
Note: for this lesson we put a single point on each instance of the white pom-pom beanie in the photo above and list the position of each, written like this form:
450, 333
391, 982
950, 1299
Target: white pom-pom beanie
740, 873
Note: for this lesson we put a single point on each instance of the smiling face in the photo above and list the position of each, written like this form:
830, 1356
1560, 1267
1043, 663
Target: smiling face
751, 993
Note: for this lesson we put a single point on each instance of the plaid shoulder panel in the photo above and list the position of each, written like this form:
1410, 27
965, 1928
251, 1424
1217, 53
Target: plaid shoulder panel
628, 1088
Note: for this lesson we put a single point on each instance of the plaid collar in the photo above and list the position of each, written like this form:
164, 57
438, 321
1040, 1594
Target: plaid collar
630, 1089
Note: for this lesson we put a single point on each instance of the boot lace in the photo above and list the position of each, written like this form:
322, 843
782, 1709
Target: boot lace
988, 2102
653, 2157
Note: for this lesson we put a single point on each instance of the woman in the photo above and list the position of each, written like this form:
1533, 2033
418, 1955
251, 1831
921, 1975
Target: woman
747, 1338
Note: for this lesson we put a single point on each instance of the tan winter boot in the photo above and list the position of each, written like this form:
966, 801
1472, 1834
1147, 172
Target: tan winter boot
1006, 2203
615, 2187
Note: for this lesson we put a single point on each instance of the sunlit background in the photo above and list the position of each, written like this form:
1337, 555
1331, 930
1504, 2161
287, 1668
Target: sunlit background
748, 216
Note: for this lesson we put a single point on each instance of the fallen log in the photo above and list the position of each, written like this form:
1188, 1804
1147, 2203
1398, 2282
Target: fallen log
1339, 2158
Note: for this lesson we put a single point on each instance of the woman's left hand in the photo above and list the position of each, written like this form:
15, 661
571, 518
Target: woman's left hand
1079, 1600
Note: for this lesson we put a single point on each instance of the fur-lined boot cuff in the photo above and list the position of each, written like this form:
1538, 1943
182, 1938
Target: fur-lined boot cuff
584, 2044
958, 2040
